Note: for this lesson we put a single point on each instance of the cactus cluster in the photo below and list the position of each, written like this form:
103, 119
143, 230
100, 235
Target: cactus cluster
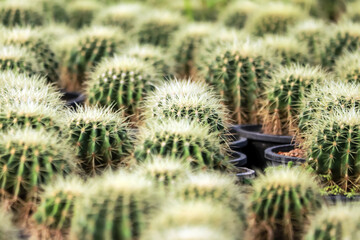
282, 203
237, 13
101, 138
82, 12
347, 67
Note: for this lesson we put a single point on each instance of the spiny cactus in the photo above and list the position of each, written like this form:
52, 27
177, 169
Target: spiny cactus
32, 40
182, 139
101, 137
7, 229
353, 11
288, 49
331, 10
123, 82
57, 202
282, 203
332, 143
287, 88
274, 17
344, 37
82, 12
54, 9
186, 99
338, 222
123, 15
20, 13
157, 56
157, 27
30, 158
116, 207
347, 67
238, 71
237, 13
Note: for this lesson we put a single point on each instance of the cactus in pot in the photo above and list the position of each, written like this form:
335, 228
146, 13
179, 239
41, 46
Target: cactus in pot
237, 13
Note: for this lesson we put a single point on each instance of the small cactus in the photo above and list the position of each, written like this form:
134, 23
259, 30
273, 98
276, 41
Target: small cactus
347, 67
182, 139
237, 13
286, 90
82, 12
123, 82
282, 203
117, 206
7, 229
30, 158
100, 136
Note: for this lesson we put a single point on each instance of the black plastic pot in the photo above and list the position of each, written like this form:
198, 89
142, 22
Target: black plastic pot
334, 199
238, 159
245, 175
274, 159
73, 99
237, 143
257, 142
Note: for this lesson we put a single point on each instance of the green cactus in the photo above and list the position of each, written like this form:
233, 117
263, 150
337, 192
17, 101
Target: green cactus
282, 203
275, 18
157, 56
20, 13
331, 10
55, 9
55, 210
157, 27
288, 49
82, 12
30, 158
186, 99
347, 67
7, 229
353, 11
238, 71
237, 13
32, 40
285, 91
123, 82
338, 222
117, 206
123, 15
100, 136
332, 144
182, 139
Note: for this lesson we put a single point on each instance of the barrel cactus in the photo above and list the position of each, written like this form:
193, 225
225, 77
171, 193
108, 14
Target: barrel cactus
20, 13
82, 12
7, 229
30, 158
55, 10
182, 139
236, 14
353, 11
332, 10
282, 203
347, 67
101, 138
123, 82
115, 207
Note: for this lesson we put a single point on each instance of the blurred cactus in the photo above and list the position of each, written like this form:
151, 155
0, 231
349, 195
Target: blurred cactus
347, 67
82, 12
237, 13
7, 229
332, 10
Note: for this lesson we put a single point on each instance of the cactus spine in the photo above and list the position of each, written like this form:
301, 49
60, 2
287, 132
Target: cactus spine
347, 67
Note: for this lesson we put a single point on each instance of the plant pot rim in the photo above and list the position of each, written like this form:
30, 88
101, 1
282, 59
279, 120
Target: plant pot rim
253, 132
240, 143
331, 198
238, 159
272, 155
247, 172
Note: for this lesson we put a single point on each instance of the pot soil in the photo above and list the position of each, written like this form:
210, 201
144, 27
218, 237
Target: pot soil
283, 154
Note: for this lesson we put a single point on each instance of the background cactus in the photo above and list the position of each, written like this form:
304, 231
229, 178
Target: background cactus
237, 13
100, 136
353, 11
347, 67
82, 12
182, 139
55, 10
282, 203
122, 82
117, 206
7, 229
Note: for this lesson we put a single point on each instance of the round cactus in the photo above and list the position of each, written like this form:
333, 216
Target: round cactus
30, 158
55, 9
182, 139
123, 15
161, 61
186, 99
57, 202
122, 82
7, 229
285, 91
282, 203
332, 10
116, 207
20, 13
274, 17
238, 71
82, 12
157, 27
347, 67
101, 137
332, 144
237, 13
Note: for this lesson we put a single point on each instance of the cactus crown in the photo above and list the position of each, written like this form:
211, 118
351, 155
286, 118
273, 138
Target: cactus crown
189, 100
347, 67
7, 230
237, 13
20, 13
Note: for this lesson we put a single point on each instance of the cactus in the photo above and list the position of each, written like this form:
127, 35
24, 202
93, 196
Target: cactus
331, 10
123, 15
237, 13
55, 10
186, 99
7, 229
182, 139
82, 12
347, 67
55, 210
20, 13
274, 17
345, 37
353, 11
33, 41
282, 203
157, 27
332, 144
100, 136
157, 56
238, 72
30, 158
116, 207
288, 49
286, 90
123, 82
338, 222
